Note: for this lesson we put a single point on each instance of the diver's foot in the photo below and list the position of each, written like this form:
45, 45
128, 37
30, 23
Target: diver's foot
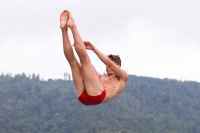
70, 20
63, 19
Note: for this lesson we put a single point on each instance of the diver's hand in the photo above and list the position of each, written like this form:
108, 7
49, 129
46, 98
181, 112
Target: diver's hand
88, 45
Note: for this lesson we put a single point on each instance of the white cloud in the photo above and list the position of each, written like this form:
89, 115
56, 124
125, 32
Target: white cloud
153, 38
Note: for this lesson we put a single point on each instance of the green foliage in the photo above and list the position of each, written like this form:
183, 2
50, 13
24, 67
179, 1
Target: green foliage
147, 105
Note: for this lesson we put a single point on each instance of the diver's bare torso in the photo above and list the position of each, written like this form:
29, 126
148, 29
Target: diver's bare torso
113, 86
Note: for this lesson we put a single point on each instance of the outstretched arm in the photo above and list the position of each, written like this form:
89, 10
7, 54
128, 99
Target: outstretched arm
107, 61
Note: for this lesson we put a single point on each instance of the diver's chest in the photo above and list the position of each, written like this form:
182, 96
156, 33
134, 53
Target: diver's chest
109, 80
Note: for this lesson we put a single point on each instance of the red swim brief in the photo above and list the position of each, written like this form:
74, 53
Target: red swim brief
86, 99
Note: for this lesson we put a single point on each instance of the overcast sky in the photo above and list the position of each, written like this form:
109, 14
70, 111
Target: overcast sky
154, 38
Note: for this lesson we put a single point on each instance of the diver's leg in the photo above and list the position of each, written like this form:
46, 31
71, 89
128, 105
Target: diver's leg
91, 79
68, 51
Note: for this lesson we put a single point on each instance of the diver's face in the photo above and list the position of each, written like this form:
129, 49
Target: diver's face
109, 71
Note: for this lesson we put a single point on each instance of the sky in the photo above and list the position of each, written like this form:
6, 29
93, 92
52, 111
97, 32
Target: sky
158, 39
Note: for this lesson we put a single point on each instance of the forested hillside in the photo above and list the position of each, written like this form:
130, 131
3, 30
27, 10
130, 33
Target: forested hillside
147, 105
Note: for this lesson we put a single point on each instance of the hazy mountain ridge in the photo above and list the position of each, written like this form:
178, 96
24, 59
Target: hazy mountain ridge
147, 105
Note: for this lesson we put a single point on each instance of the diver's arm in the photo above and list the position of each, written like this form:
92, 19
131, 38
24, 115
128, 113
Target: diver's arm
101, 55
107, 61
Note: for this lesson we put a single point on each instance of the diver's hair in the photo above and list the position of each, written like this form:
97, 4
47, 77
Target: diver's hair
115, 58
